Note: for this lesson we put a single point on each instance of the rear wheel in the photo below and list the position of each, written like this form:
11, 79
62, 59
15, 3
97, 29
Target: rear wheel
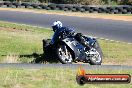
46, 43
64, 54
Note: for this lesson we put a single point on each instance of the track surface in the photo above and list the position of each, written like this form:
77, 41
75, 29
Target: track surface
72, 66
110, 29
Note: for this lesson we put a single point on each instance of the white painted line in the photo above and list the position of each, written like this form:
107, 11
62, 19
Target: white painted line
112, 40
129, 43
109, 40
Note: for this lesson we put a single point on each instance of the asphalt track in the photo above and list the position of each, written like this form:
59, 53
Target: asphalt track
72, 66
102, 28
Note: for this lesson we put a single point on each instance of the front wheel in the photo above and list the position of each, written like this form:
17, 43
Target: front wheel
64, 55
97, 55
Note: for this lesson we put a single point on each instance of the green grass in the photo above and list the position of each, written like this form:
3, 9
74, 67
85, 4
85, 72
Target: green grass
52, 78
21, 40
116, 52
18, 43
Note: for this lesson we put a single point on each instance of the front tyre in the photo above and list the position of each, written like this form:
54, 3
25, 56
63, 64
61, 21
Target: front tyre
63, 54
96, 57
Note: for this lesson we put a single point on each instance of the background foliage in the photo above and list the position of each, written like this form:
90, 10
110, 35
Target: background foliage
83, 2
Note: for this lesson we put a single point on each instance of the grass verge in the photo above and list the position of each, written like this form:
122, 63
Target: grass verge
22, 44
52, 78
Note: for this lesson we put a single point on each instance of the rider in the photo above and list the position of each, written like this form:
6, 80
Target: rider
58, 27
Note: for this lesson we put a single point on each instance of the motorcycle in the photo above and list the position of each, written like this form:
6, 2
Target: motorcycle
67, 47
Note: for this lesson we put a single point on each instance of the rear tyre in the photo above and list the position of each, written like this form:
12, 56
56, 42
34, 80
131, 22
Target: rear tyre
46, 43
49, 51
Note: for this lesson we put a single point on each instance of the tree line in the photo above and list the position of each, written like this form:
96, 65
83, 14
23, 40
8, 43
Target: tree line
83, 2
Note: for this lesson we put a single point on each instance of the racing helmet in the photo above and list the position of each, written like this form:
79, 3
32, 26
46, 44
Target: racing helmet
56, 25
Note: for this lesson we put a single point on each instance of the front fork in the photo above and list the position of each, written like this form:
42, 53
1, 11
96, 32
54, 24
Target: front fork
90, 53
65, 51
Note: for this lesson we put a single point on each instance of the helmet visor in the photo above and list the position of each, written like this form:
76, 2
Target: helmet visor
54, 28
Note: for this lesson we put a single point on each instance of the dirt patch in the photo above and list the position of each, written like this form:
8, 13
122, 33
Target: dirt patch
9, 29
78, 14
13, 29
11, 59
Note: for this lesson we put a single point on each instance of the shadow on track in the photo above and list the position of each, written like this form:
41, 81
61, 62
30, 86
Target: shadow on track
40, 58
